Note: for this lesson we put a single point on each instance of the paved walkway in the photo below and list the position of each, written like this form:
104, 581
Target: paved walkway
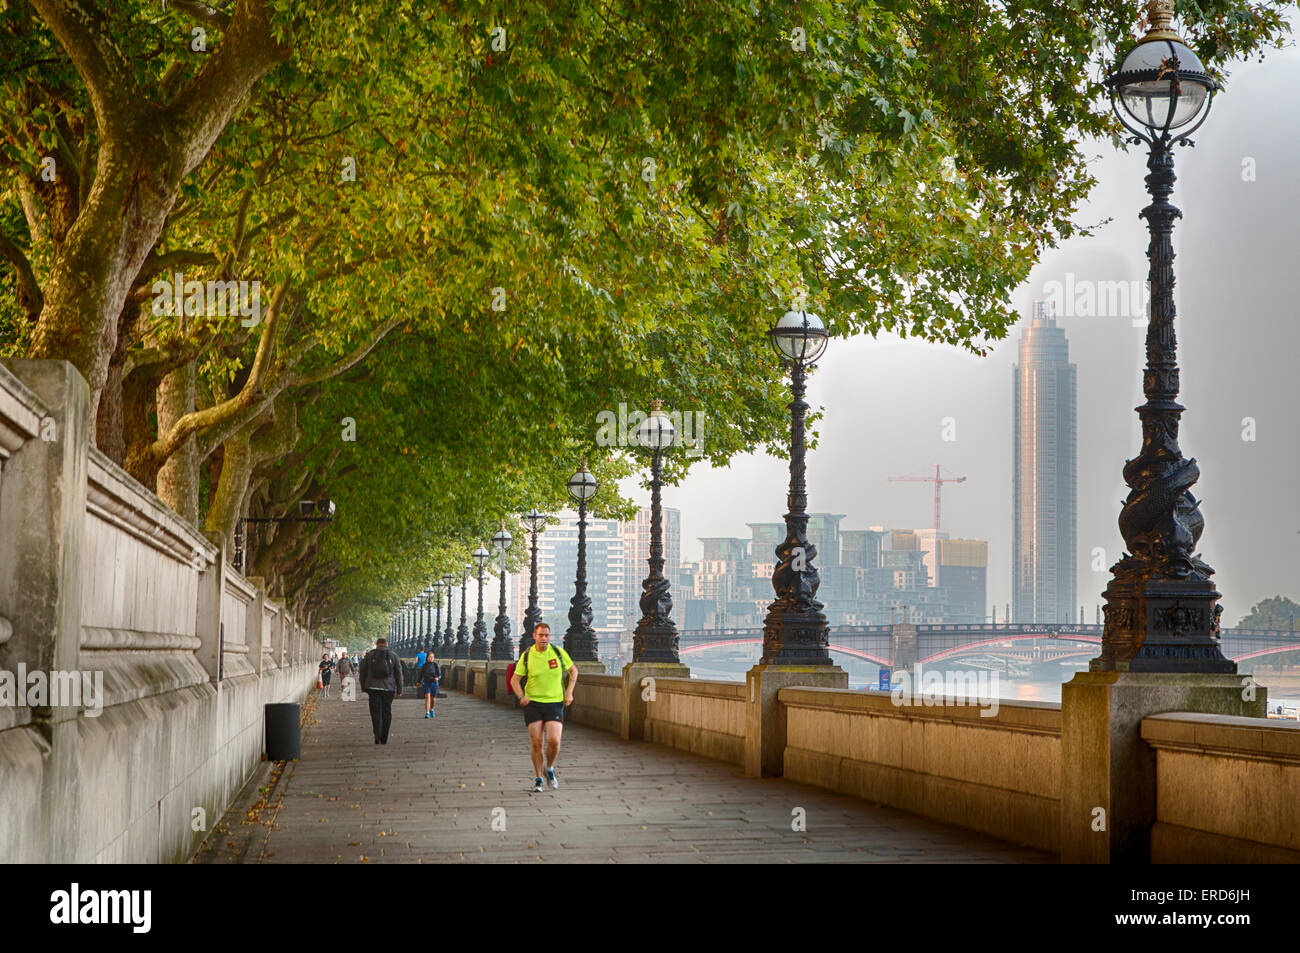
458, 788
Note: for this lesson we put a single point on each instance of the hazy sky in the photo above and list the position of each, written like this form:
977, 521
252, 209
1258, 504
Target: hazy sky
1237, 271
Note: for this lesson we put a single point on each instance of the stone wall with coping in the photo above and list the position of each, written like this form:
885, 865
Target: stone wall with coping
597, 701
1227, 789
98, 576
704, 717
999, 774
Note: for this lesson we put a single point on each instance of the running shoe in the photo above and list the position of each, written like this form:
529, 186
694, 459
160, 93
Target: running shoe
550, 776
537, 786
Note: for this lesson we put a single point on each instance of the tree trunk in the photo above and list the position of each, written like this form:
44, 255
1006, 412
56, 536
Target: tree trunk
135, 186
178, 479
228, 499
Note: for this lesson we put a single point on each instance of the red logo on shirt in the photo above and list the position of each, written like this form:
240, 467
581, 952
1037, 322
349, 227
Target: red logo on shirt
554, 663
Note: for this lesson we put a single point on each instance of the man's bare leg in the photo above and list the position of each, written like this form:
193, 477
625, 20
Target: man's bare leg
553, 730
535, 736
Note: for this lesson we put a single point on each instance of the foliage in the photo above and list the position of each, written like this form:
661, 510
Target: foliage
556, 208
1276, 613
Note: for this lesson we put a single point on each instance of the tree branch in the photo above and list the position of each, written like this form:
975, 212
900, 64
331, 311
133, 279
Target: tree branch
200, 11
29, 289
245, 54
82, 31
353, 359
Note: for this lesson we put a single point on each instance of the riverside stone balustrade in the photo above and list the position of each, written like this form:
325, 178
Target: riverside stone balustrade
98, 576
1225, 788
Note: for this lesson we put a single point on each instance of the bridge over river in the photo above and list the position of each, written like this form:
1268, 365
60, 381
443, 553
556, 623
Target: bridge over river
903, 645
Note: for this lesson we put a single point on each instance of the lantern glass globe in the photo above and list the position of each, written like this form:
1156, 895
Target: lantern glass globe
799, 337
1162, 85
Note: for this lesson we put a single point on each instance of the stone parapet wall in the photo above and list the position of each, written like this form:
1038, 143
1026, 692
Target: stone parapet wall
597, 701
999, 774
705, 717
1227, 789
103, 584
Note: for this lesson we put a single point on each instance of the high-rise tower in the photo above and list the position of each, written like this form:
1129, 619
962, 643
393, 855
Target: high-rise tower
1045, 475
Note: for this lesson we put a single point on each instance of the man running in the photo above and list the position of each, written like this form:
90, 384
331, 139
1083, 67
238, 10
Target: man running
544, 667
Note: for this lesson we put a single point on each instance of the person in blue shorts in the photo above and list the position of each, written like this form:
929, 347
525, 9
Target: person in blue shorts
430, 676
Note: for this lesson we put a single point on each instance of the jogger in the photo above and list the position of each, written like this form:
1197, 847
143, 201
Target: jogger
539, 682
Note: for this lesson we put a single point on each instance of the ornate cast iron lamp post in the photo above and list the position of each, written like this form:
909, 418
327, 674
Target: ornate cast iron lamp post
462, 632
1161, 608
655, 637
795, 631
436, 638
448, 640
428, 618
580, 639
502, 647
535, 521
478, 649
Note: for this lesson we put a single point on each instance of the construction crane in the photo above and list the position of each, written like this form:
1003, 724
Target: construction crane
938, 482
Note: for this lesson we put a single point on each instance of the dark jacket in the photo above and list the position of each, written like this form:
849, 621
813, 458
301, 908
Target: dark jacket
393, 683
430, 671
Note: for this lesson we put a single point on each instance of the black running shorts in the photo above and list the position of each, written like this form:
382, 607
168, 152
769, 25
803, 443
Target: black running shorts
543, 711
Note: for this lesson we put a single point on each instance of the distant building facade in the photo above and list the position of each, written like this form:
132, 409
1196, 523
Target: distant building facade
1045, 475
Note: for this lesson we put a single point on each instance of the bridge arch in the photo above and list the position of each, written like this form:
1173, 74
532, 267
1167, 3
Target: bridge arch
722, 643
970, 647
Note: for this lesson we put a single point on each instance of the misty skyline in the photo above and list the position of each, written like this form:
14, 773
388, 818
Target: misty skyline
886, 399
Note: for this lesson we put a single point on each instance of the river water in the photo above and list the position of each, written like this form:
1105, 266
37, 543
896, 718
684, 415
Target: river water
863, 675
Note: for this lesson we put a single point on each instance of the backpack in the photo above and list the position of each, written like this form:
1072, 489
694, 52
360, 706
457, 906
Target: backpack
379, 665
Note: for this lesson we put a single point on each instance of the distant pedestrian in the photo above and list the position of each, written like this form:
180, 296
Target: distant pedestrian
325, 668
381, 679
430, 676
539, 682
420, 656
346, 670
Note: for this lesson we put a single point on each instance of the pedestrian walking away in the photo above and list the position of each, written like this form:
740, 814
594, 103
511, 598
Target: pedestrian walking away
381, 679
325, 668
430, 676
543, 681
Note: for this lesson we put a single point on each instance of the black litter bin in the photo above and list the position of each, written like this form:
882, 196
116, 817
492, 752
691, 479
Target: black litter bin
283, 732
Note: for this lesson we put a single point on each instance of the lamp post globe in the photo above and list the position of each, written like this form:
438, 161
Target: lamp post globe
655, 637
799, 338
1161, 85
580, 638
448, 639
535, 522
502, 648
795, 631
478, 647
1162, 610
